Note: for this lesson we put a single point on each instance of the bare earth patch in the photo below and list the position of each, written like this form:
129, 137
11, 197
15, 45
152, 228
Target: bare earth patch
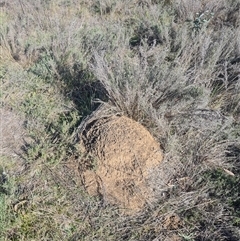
11, 133
124, 153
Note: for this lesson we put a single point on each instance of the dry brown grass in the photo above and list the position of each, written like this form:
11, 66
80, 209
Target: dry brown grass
153, 61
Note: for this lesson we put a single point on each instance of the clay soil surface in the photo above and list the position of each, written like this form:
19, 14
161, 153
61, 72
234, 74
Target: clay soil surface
124, 153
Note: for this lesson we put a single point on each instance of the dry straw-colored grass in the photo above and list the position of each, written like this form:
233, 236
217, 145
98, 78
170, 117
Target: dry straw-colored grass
157, 62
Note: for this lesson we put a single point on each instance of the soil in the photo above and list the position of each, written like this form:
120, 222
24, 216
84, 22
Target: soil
172, 222
124, 153
11, 133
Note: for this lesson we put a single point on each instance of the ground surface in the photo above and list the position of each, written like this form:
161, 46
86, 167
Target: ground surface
124, 152
11, 133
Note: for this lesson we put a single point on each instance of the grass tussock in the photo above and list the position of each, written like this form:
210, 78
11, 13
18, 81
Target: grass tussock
171, 65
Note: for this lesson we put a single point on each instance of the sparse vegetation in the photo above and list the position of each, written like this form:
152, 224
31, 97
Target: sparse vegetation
173, 66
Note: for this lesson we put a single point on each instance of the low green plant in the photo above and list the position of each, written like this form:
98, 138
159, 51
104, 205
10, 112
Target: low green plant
226, 187
4, 219
201, 20
187, 237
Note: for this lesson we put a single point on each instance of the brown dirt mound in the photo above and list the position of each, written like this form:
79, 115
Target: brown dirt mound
125, 153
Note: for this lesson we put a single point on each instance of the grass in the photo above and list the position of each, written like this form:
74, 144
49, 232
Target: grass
161, 63
3, 210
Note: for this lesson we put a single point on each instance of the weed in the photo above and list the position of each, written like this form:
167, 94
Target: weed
187, 237
201, 20
4, 219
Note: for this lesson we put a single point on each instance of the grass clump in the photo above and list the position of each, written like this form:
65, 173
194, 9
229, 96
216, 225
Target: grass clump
4, 220
166, 64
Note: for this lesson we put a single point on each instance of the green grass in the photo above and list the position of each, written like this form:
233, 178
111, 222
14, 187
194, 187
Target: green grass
3, 211
157, 62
